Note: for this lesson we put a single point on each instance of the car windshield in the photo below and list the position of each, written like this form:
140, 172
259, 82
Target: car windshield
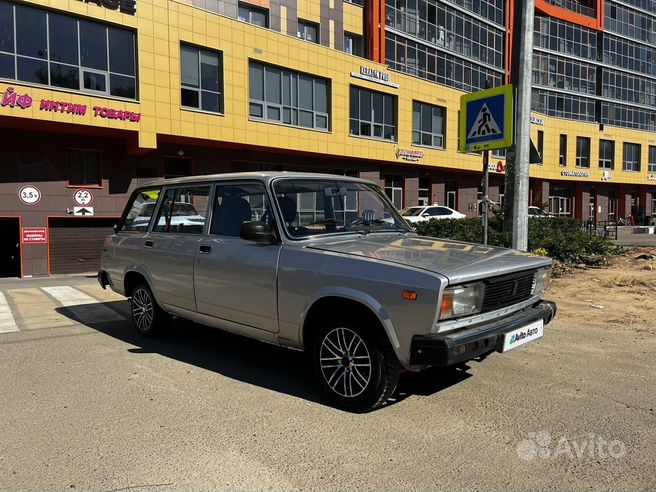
411, 211
312, 207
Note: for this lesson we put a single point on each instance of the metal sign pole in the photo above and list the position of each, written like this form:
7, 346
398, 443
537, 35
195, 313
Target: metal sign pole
516, 216
486, 174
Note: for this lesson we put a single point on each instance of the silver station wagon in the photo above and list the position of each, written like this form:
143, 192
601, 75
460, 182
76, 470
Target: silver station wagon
325, 264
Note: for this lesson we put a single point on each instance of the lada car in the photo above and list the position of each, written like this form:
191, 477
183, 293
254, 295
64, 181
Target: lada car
323, 264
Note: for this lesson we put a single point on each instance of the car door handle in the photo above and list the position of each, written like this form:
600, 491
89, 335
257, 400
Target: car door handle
205, 248
148, 244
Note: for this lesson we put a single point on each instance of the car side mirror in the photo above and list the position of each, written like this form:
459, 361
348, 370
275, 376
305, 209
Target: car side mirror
256, 231
115, 228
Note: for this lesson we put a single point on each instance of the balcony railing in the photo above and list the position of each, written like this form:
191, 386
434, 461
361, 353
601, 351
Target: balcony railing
574, 6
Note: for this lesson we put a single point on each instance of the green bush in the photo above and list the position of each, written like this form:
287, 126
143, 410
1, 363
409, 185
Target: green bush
563, 238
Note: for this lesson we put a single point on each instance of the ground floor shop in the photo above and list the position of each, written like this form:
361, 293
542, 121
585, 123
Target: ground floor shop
61, 194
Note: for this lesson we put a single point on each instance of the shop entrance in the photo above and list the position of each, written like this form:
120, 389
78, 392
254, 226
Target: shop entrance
10, 252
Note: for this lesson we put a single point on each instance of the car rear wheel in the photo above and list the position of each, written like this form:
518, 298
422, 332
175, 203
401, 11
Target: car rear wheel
148, 318
355, 366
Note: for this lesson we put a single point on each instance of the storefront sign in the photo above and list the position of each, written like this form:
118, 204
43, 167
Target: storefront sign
29, 194
125, 6
115, 114
11, 99
499, 167
63, 107
537, 121
35, 235
606, 176
409, 155
83, 197
374, 75
651, 177
575, 174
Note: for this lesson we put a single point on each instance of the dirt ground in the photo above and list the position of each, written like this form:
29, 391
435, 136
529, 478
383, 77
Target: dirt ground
623, 294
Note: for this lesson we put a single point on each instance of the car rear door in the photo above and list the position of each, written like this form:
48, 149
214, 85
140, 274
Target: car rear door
168, 251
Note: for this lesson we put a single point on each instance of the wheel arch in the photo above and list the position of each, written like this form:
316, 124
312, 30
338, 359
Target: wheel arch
358, 304
132, 278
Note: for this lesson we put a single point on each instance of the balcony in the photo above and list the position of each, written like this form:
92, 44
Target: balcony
575, 6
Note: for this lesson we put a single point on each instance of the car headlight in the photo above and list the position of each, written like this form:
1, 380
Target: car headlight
542, 278
462, 300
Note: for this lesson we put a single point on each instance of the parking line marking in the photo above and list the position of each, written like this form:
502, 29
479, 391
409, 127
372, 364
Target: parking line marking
84, 307
7, 321
36, 310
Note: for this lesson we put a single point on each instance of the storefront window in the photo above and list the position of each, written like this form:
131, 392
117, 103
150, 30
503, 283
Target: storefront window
63, 51
373, 114
287, 97
202, 81
427, 125
394, 190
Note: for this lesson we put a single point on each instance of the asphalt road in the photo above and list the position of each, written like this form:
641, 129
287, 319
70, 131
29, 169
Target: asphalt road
85, 404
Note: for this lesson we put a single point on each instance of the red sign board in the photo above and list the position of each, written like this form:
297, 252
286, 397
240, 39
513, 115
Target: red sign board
35, 235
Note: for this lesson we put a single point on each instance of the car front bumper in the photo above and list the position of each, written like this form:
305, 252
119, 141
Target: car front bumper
455, 347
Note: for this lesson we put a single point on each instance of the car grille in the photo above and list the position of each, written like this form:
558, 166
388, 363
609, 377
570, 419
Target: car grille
507, 290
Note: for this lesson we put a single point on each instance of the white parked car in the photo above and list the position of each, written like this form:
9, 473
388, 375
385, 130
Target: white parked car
422, 214
538, 212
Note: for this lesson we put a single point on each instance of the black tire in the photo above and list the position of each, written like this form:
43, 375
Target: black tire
340, 351
147, 317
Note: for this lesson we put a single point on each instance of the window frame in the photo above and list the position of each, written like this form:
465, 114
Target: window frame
354, 40
100, 184
199, 89
583, 158
182, 186
251, 9
421, 133
651, 163
81, 69
562, 156
305, 24
605, 163
638, 148
294, 105
372, 122
128, 207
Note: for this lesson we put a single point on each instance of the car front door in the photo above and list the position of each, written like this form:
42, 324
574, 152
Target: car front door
236, 279
170, 248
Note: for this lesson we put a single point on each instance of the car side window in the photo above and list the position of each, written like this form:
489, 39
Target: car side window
141, 210
236, 203
433, 211
183, 210
442, 211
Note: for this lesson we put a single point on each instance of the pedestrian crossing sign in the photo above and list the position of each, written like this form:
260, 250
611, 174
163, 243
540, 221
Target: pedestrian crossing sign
486, 119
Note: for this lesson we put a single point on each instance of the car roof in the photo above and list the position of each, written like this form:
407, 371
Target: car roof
264, 176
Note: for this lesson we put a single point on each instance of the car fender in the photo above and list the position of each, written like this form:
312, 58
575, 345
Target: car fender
358, 296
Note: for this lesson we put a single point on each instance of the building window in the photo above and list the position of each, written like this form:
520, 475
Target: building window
394, 190
606, 154
58, 50
631, 160
582, 152
287, 97
563, 151
202, 80
308, 30
373, 114
353, 44
84, 168
541, 146
253, 15
427, 125
652, 162
424, 192
499, 153
177, 167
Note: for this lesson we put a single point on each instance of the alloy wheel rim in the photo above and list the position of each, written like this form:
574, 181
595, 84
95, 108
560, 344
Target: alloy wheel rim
345, 362
142, 309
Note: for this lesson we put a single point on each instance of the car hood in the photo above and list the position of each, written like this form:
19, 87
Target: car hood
457, 261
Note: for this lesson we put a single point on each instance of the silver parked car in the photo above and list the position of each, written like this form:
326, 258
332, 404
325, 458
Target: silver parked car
325, 264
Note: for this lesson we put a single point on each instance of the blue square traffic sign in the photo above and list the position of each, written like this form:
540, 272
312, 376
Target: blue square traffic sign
486, 119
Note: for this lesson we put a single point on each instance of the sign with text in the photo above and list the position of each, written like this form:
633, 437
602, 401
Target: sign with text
35, 235
29, 194
486, 119
83, 197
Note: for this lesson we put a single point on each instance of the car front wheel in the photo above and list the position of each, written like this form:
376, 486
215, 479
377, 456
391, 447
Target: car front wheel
356, 367
148, 318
